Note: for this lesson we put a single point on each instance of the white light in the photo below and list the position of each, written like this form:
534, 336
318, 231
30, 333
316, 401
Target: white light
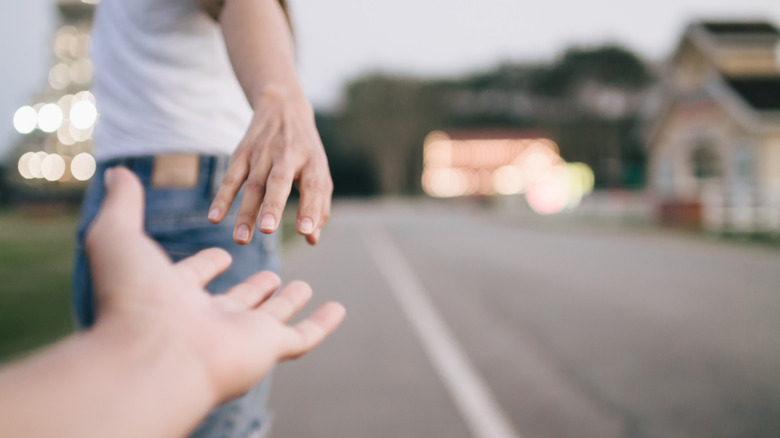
24, 165
81, 71
25, 119
53, 167
59, 76
34, 164
80, 134
508, 180
50, 118
550, 193
83, 114
83, 166
63, 135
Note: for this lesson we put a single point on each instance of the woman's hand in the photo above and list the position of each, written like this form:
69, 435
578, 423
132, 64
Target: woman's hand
281, 148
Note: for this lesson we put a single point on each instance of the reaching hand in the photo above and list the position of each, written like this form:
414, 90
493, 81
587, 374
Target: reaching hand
280, 148
234, 339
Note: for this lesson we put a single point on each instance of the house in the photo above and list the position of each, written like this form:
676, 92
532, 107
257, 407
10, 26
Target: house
714, 137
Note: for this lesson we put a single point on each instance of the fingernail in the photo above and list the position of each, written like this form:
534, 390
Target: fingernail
242, 233
107, 176
306, 226
268, 222
214, 214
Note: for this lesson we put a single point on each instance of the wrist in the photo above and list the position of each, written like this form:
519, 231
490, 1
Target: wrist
155, 361
277, 93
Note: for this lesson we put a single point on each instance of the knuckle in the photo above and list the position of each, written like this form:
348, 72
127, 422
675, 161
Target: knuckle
231, 179
255, 185
314, 185
279, 176
272, 206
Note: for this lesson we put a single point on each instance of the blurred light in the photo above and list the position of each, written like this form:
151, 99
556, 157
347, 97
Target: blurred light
90, 2
83, 166
484, 183
550, 193
52, 167
80, 135
84, 95
63, 134
25, 119
34, 164
81, 71
59, 76
65, 102
83, 114
536, 164
24, 165
445, 183
581, 180
50, 118
508, 180
66, 41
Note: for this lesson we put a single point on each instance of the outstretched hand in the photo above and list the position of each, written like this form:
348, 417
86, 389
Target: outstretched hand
281, 148
233, 339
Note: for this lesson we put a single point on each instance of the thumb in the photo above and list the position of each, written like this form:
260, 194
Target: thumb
122, 210
123, 205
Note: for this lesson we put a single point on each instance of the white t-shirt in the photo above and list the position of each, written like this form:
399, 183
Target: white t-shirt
163, 81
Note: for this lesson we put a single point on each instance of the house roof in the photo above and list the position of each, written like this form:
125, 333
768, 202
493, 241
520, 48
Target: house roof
723, 28
761, 93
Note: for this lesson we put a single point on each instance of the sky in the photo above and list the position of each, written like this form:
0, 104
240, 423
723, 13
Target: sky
341, 39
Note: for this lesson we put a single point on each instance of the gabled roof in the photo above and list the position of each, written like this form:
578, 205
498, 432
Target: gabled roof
710, 36
761, 93
720, 28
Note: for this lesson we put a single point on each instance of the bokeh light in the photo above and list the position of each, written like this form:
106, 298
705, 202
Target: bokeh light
462, 165
25, 120
83, 114
60, 76
52, 167
50, 117
34, 164
24, 165
550, 193
81, 71
508, 180
83, 166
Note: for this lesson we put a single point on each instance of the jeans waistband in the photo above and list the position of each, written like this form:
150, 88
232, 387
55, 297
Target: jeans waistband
211, 168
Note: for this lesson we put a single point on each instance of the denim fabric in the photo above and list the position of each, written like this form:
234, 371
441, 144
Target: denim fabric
177, 219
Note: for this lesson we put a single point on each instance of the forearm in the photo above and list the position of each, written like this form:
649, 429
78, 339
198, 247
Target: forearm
103, 383
260, 46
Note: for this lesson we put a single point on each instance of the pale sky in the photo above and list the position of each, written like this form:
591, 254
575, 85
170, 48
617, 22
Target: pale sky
341, 39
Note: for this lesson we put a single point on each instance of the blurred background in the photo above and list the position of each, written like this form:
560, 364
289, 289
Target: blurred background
552, 218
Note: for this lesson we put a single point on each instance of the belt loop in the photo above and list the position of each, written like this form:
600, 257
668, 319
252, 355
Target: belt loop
220, 164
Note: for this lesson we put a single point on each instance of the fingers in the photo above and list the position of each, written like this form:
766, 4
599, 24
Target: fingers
254, 191
231, 184
312, 189
289, 301
255, 289
205, 265
314, 329
280, 181
314, 237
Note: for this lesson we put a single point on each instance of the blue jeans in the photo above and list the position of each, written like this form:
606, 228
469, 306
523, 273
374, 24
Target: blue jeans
177, 219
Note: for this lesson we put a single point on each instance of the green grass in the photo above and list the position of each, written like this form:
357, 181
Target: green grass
36, 257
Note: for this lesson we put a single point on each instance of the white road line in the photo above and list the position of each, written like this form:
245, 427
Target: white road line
468, 390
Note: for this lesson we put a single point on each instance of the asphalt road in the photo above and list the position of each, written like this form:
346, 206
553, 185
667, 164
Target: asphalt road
464, 325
